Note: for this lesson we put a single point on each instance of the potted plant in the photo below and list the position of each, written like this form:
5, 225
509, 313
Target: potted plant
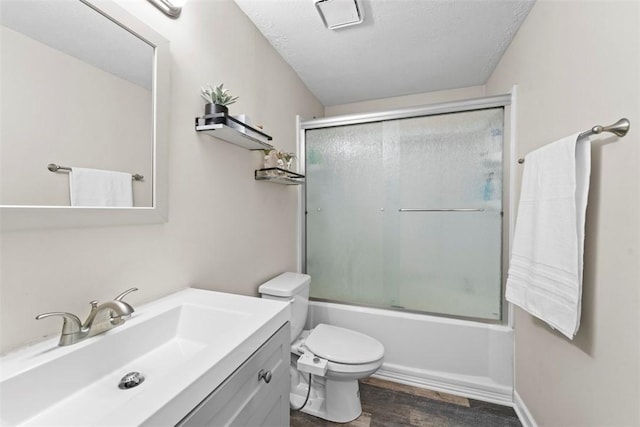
217, 99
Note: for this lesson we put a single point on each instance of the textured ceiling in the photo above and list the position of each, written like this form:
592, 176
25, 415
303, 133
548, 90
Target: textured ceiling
403, 46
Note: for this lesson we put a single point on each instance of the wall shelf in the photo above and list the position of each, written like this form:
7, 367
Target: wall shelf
279, 176
243, 135
234, 132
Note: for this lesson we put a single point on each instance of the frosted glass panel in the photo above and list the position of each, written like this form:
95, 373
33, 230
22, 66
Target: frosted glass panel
344, 222
362, 249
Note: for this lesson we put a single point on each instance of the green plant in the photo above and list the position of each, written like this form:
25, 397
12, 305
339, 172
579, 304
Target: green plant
286, 156
217, 95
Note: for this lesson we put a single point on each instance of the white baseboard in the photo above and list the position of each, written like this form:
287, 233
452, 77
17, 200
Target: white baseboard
522, 411
474, 387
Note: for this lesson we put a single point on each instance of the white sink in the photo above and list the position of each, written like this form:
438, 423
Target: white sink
184, 345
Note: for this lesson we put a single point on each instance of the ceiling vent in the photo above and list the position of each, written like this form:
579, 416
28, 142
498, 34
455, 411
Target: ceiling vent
340, 13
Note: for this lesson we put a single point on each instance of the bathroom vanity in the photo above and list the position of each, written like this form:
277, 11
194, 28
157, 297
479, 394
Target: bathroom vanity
256, 394
208, 358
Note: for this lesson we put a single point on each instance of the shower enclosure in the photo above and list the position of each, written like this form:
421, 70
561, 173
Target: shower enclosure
405, 212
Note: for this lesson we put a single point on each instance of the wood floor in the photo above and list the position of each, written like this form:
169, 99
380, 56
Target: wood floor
388, 404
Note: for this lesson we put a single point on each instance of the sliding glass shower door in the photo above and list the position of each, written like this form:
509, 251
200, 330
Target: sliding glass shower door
406, 213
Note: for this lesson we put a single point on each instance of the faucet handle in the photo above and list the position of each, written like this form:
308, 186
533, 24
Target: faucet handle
71, 324
124, 294
94, 307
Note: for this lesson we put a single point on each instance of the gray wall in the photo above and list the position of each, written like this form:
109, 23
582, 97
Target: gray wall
225, 232
576, 65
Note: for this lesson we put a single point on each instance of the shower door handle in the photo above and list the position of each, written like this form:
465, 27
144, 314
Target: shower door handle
442, 210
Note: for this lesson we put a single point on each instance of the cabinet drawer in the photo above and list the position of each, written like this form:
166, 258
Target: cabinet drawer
245, 400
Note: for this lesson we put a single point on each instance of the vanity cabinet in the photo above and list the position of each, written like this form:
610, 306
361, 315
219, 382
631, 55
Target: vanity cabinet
256, 394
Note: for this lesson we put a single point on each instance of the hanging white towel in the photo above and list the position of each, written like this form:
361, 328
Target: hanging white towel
545, 271
94, 187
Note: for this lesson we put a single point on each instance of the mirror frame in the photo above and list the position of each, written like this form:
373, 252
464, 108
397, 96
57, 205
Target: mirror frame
13, 217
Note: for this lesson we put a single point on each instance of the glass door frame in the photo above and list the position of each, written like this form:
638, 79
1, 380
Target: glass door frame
505, 101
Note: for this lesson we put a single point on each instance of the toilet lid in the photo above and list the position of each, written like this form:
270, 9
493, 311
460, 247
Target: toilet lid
343, 345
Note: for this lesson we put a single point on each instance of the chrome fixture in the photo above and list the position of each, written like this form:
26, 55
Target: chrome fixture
131, 380
102, 317
55, 168
619, 128
167, 7
340, 13
264, 376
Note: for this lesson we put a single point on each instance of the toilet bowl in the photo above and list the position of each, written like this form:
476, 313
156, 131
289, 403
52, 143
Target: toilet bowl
326, 361
350, 356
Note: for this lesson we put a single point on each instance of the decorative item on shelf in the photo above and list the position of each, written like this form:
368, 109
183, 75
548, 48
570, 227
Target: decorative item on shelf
218, 98
277, 162
288, 159
270, 159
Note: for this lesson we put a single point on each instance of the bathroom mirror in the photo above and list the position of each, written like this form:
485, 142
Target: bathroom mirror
84, 84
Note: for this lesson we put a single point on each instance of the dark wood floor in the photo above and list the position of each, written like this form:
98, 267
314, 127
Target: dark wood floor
388, 404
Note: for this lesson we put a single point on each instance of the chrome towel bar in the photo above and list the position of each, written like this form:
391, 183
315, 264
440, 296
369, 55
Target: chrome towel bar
619, 128
55, 168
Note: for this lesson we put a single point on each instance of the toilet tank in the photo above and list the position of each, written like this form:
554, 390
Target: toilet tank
293, 287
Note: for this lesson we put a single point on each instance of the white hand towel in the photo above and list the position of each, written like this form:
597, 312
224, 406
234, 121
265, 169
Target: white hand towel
545, 270
94, 187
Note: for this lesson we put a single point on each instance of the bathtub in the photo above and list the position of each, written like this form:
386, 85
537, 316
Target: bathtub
460, 357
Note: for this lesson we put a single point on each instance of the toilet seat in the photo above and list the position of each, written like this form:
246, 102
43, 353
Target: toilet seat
344, 346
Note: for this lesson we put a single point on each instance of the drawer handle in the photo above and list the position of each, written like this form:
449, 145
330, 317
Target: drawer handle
264, 375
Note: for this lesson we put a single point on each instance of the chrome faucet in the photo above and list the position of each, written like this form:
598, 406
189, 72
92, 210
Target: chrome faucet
102, 317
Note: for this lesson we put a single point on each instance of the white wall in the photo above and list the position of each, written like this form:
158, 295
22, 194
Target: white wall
405, 101
56, 108
577, 64
225, 232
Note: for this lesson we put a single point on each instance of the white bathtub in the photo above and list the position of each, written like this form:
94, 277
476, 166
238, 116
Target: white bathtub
461, 357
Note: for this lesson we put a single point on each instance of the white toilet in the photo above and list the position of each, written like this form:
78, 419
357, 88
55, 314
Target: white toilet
335, 357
